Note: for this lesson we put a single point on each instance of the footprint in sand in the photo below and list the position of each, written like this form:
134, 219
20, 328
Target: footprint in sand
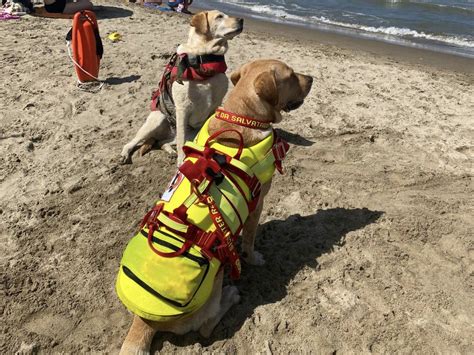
49, 324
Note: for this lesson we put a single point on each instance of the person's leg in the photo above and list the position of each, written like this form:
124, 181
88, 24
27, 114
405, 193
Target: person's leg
73, 7
184, 9
174, 4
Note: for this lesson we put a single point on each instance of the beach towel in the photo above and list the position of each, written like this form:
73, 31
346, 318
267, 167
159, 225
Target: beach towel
4, 15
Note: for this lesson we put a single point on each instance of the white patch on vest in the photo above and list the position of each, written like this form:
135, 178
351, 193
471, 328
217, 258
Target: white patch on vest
174, 184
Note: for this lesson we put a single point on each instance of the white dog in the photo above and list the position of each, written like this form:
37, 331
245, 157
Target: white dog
197, 86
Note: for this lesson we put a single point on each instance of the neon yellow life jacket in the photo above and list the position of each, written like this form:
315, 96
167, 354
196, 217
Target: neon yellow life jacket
154, 285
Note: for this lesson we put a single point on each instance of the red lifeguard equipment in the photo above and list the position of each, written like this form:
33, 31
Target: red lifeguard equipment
86, 45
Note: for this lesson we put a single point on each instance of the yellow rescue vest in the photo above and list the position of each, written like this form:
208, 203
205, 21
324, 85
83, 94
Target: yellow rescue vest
156, 287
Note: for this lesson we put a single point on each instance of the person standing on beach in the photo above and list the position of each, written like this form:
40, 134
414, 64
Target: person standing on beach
67, 6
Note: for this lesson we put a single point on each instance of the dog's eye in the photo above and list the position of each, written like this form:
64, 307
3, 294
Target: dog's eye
218, 17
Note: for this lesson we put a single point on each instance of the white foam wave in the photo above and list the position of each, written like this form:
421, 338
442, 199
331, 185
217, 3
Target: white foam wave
435, 5
279, 12
449, 7
399, 32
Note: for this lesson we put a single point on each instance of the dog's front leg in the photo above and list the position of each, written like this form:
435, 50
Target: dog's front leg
156, 127
139, 338
249, 232
182, 124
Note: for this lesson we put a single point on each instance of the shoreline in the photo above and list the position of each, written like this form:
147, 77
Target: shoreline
397, 52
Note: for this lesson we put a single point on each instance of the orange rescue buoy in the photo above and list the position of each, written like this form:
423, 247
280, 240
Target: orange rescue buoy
87, 49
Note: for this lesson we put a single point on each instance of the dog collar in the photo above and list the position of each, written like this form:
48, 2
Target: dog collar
240, 120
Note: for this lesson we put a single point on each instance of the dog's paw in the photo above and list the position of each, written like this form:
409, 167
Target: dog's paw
125, 159
230, 294
255, 258
180, 159
126, 154
169, 149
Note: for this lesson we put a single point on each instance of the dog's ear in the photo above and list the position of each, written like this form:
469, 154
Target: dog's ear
200, 23
235, 77
266, 87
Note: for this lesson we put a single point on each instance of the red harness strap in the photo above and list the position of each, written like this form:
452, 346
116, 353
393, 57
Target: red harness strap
280, 148
211, 165
226, 251
184, 67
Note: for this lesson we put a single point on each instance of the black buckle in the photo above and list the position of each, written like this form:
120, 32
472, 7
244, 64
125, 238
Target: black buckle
217, 177
220, 159
194, 60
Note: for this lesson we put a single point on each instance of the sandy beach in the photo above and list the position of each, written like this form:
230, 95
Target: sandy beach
366, 237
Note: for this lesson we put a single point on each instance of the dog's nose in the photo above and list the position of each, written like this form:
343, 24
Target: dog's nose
240, 21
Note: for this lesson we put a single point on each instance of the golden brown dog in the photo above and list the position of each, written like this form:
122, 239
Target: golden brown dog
263, 89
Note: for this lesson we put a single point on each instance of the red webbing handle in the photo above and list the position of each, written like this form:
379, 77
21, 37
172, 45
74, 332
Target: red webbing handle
219, 132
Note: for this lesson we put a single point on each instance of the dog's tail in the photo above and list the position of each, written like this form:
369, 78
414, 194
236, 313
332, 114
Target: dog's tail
139, 338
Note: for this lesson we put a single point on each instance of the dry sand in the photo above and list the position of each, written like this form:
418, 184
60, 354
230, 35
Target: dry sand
367, 238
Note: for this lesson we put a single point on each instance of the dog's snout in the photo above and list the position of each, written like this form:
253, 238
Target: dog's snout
308, 81
240, 22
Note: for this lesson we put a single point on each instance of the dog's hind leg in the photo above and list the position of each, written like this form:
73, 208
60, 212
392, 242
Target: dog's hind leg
168, 144
139, 338
249, 232
156, 127
182, 127
221, 301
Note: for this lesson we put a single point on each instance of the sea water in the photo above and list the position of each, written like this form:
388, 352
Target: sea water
446, 26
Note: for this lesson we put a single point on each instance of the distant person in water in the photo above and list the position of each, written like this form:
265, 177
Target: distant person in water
67, 6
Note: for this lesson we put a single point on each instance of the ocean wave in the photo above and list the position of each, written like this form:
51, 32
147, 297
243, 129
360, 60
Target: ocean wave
277, 11
399, 32
272, 10
434, 6
280, 13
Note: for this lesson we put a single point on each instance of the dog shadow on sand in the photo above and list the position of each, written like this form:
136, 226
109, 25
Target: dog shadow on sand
288, 246
294, 138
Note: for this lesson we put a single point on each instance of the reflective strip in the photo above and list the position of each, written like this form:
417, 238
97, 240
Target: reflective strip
180, 227
241, 166
225, 208
192, 197
232, 192
261, 169
194, 146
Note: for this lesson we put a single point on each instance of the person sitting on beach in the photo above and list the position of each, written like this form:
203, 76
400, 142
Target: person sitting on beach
67, 6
